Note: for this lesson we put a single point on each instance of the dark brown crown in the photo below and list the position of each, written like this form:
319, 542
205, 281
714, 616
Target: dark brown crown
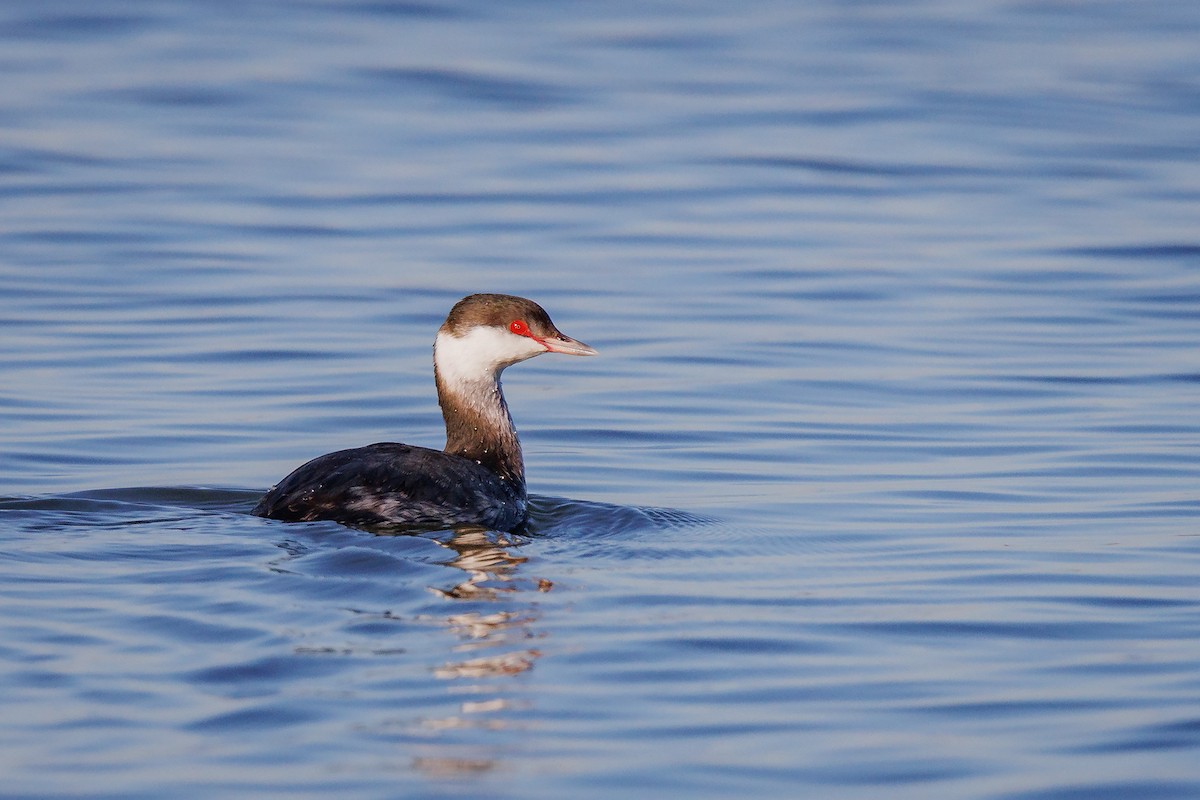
498, 310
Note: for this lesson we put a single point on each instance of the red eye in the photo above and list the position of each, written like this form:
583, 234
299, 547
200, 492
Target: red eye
519, 327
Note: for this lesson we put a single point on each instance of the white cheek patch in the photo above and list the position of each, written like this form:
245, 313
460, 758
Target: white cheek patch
480, 354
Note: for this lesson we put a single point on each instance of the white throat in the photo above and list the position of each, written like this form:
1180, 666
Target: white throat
478, 425
473, 362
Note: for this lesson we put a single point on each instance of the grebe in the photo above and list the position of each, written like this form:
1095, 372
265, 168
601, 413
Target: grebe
479, 479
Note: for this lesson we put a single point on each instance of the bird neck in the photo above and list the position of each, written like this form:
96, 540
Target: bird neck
479, 426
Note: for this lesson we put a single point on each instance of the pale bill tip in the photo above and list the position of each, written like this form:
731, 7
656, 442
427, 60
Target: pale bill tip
570, 347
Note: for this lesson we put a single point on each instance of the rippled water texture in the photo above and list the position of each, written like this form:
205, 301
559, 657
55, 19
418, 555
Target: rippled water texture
885, 484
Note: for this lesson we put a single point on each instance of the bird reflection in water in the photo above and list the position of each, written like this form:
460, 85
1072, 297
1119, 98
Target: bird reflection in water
493, 643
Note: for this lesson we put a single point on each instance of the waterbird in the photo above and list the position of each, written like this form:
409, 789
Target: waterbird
479, 477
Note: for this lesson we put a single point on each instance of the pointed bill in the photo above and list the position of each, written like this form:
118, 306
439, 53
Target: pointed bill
568, 346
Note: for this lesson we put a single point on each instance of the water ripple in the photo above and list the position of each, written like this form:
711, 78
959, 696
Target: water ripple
885, 482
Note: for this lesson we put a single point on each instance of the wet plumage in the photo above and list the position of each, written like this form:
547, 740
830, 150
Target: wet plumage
479, 479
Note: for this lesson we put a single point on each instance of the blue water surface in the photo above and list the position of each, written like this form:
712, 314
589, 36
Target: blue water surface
886, 482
